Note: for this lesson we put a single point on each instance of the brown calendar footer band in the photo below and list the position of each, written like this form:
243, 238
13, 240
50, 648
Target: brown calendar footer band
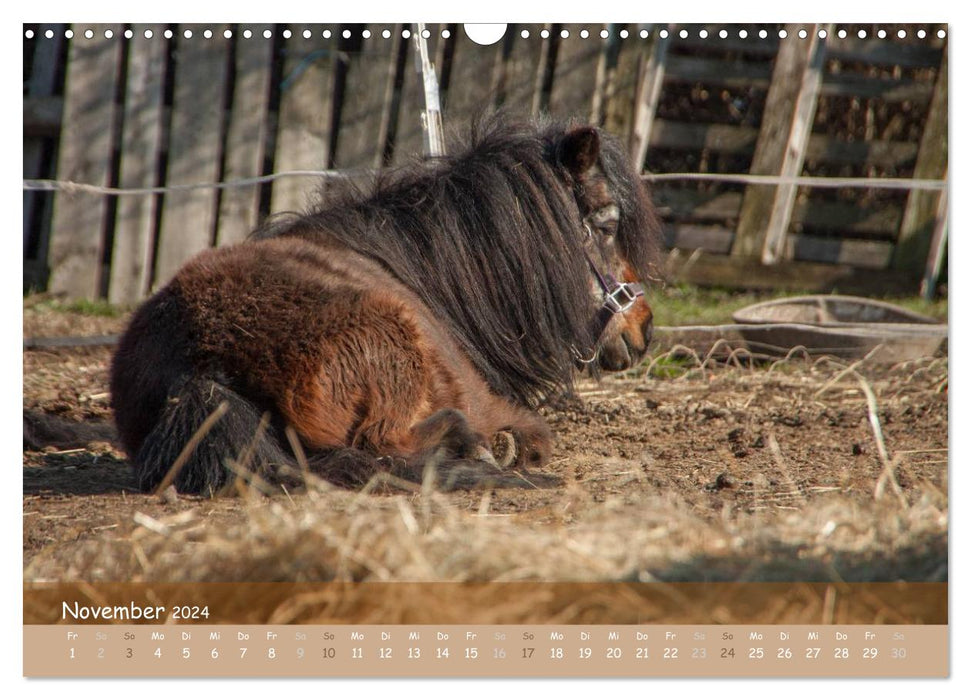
485, 603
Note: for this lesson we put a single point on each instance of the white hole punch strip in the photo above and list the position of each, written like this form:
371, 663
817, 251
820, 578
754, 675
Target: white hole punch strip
487, 34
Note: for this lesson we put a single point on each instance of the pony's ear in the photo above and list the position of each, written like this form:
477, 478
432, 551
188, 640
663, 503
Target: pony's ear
579, 149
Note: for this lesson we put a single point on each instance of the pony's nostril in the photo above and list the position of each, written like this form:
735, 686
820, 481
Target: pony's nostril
648, 332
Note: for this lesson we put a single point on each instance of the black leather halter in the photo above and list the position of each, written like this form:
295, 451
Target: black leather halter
618, 297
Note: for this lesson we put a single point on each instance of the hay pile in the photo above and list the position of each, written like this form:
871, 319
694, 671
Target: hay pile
328, 534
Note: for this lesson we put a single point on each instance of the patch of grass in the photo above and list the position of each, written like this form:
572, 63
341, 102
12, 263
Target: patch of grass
97, 307
686, 305
935, 308
671, 366
85, 307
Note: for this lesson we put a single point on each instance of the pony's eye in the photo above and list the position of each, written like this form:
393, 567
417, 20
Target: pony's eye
606, 219
608, 228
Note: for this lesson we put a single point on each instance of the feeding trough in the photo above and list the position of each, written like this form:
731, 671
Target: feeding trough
843, 326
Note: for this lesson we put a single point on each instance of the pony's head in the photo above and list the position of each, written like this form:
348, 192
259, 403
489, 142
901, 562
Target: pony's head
619, 230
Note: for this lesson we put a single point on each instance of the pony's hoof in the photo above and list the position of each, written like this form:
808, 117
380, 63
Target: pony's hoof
504, 449
483, 455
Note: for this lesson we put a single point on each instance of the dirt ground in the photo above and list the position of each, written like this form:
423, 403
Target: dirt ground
679, 472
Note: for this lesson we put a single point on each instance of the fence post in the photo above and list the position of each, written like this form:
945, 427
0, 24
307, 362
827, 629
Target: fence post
648, 95
88, 128
431, 115
920, 212
935, 259
786, 125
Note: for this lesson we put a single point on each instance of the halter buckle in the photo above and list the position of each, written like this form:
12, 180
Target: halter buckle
622, 297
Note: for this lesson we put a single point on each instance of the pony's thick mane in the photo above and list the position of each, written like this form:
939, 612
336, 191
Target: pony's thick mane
491, 240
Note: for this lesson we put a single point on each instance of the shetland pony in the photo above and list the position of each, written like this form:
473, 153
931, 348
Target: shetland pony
416, 324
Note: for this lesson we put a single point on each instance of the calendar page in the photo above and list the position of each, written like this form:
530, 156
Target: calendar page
539, 350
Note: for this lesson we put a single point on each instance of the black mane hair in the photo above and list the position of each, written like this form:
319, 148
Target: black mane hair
491, 240
639, 231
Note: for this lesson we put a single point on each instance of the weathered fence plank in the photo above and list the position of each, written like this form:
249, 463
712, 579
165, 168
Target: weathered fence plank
713, 71
649, 92
743, 74
472, 81
141, 146
608, 52
686, 136
920, 214
837, 251
515, 79
801, 125
691, 204
884, 53
188, 223
90, 116
369, 71
881, 220
884, 154
886, 89
623, 60
741, 140
246, 137
780, 147
42, 116
545, 67
306, 112
40, 86
391, 108
712, 239
874, 220
575, 74
728, 271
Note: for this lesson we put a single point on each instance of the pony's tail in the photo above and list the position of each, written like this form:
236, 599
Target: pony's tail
208, 439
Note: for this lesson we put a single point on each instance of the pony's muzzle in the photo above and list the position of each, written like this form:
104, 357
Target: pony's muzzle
615, 355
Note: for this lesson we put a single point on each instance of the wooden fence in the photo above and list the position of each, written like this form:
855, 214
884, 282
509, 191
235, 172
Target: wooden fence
164, 106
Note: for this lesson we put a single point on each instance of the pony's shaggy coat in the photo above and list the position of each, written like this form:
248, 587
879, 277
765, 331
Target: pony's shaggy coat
388, 329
